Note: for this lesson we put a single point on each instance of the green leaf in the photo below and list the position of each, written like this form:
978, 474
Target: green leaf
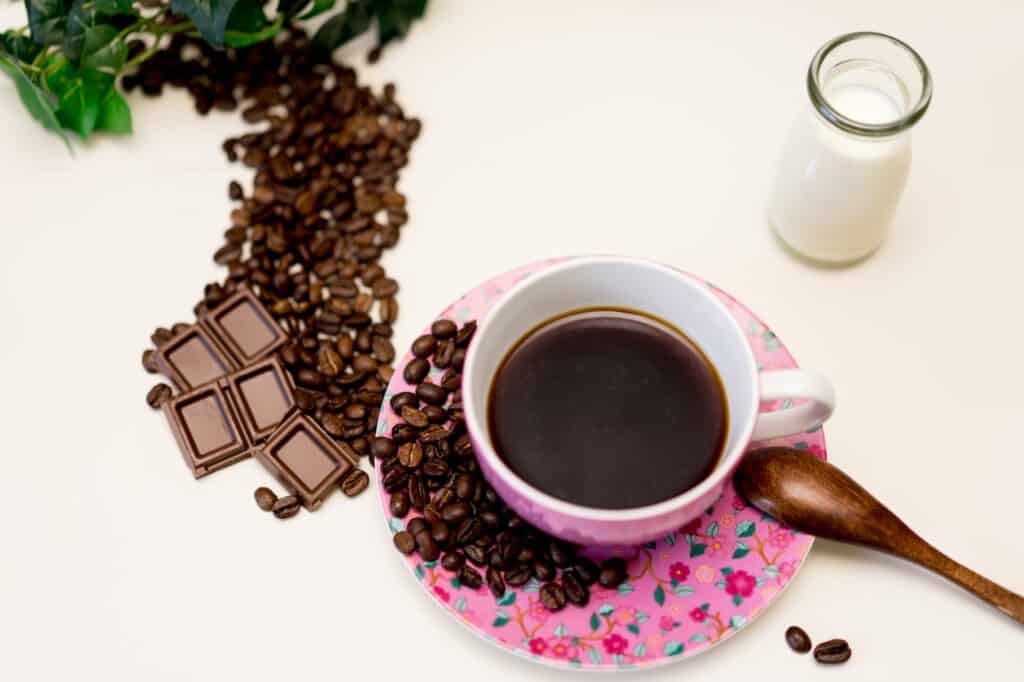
712, 531
532, 586
659, 595
500, 620
642, 617
391, 22
697, 549
289, 8
455, 583
46, 20
234, 38
209, 16
343, 27
640, 650
115, 117
40, 104
561, 630
396, 525
419, 571
670, 539
737, 621
625, 588
318, 8
683, 590
699, 637
507, 599
634, 628
673, 648
737, 599
594, 655
460, 605
79, 100
744, 529
18, 46
595, 621
727, 570
110, 58
606, 610
741, 551
86, 31
112, 7
772, 571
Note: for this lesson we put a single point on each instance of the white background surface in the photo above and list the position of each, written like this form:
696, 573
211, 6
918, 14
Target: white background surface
643, 128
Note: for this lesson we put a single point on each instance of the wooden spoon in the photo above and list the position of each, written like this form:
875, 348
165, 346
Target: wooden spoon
815, 497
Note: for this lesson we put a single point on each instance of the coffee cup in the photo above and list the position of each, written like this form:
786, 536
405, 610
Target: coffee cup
682, 301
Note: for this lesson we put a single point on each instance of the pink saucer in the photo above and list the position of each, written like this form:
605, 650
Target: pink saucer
685, 593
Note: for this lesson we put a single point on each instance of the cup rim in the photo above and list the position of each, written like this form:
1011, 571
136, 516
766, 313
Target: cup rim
476, 424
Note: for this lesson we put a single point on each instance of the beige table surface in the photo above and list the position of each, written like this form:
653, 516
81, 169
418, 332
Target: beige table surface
644, 128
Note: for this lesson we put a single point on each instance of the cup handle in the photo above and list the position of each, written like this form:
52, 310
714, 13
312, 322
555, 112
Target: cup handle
796, 384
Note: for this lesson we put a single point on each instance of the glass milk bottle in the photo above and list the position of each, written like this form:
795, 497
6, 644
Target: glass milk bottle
847, 156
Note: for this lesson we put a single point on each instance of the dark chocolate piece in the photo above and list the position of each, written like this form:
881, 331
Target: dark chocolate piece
263, 395
205, 425
193, 358
245, 328
305, 459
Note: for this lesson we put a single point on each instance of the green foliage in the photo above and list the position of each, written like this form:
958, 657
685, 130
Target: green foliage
65, 63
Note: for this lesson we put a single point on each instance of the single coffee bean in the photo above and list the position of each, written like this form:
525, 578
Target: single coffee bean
416, 525
425, 545
586, 570
613, 573
476, 554
797, 639
443, 329
495, 583
518, 575
265, 498
158, 395
464, 446
435, 468
433, 434
465, 334
491, 519
543, 571
399, 505
384, 287
464, 485
383, 447
469, 577
418, 497
405, 542
415, 417
451, 380
149, 361
388, 310
459, 358
333, 424
355, 483
395, 479
552, 596
456, 512
432, 394
400, 400
468, 531
410, 454
423, 347
453, 561
575, 591
416, 371
441, 533
309, 378
444, 354
383, 349
160, 336
833, 651
286, 507
561, 554
404, 433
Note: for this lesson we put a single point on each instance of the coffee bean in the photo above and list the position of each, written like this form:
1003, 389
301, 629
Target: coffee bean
158, 395
612, 574
355, 483
465, 334
416, 525
410, 454
383, 447
586, 570
443, 329
423, 347
383, 349
435, 468
440, 532
453, 561
464, 485
333, 424
416, 371
459, 358
160, 336
543, 571
552, 596
444, 354
265, 498
464, 446
417, 492
470, 578
468, 531
833, 651
561, 554
286, 507
797, 639
427, 547
388, 310
518, 575
435, 414
450, 381
432, 394
235, 193
399, 505
495, 583
456, 512
575, 591
309, 378
384, 288
405, 542
476, 554
413, 416
395, 479
433, 434
149, 361
400, 400
330, 362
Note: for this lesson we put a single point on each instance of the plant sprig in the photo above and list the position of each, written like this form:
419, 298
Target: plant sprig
65, 63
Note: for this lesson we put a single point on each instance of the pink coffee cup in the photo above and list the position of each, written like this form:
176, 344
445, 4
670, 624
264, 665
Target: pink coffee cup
687, 303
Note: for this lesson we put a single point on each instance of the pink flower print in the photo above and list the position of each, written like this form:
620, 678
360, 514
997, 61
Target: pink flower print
441, 593
719, 545
741, 583
625, 616
679, 571
698, 615
561, 647
538, 645
691, 528
781, 537
704, 574
615, 644
738, 503
666, 623
537, 611
788, 568
727, 521
817, 451
655, 642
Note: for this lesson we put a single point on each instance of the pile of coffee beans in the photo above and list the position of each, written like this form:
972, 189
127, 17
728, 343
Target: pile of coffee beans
431, 472
308, 237
831, 652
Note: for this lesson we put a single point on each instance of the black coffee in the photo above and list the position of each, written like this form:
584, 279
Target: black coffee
608, 409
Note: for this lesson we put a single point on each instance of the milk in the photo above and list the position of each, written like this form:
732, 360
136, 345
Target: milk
836, 191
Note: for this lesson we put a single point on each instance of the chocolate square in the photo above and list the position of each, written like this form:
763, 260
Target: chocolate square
305, 459
245, 328
193, 358
263, 395
205, 425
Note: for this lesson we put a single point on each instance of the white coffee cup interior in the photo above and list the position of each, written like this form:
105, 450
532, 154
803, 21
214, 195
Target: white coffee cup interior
594, 282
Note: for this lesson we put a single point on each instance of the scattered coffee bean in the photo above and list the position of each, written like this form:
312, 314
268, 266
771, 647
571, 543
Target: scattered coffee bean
552, 596
518, 575
410, 454
443, 329
575, 591
432, 394
612, 574
286, 507
405, 542
798, 640
424, 346
399, 504
426, 546
453, 561
416, 371
158, 395
149, 361
355, 483
476, 554
469, 577
400, 400
561, 554
440, 532
417, 525
833, 651
495, 583
265, 498
414, 417
586, 570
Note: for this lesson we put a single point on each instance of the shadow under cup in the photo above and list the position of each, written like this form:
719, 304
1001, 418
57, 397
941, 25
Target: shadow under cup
609, 282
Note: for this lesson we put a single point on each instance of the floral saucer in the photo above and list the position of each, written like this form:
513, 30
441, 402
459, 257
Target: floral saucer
686, 592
